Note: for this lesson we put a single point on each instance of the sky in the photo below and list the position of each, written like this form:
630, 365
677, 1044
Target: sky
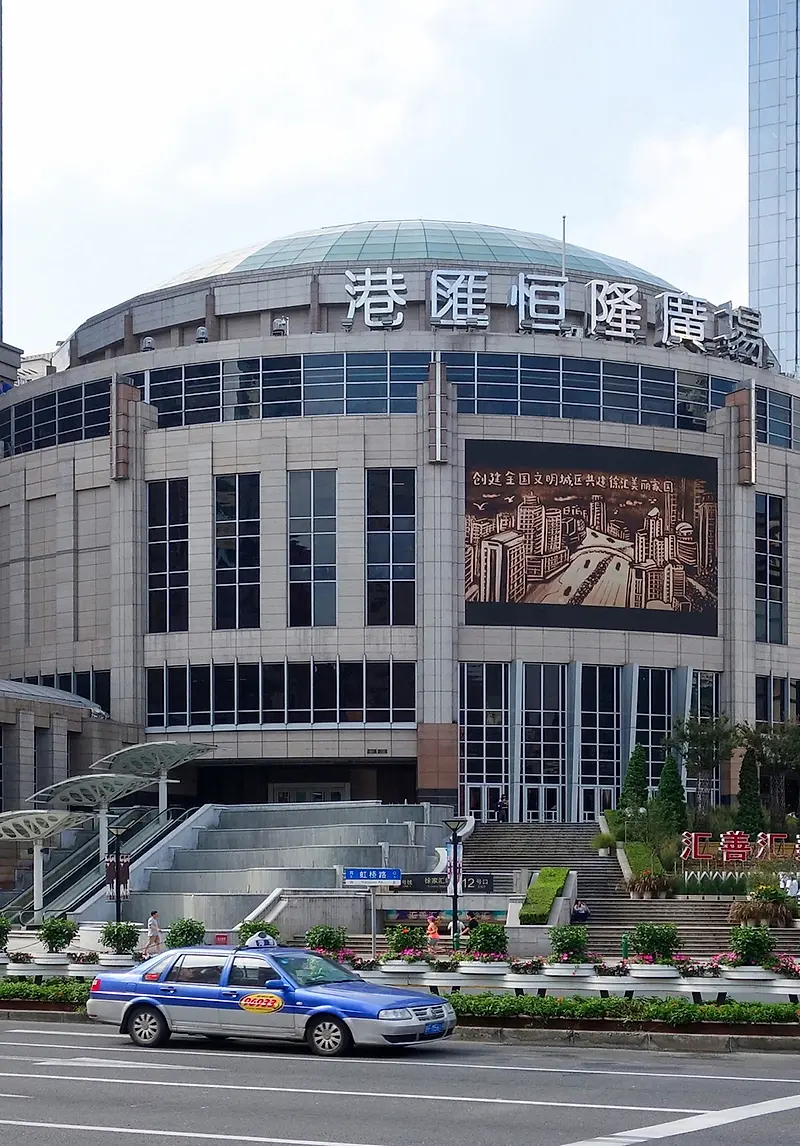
143, 138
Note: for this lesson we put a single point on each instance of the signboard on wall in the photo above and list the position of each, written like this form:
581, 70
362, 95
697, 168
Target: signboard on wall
593, 537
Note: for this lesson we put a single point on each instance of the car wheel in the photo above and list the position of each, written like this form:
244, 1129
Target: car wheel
147, 1027
328, 1036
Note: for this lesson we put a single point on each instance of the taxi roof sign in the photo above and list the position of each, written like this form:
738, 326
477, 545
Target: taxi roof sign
261, 939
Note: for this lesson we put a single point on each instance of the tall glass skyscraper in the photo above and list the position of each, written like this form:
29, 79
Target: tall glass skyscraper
774, 175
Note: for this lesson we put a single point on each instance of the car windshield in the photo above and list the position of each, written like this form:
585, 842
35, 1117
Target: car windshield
313, 970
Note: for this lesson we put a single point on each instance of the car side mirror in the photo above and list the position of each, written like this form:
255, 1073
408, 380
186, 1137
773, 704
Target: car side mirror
276, 985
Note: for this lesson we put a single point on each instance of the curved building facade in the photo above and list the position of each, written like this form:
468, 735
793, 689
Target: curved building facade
407, 510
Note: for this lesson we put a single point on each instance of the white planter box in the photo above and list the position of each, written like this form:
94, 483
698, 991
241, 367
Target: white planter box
108, 960
82, 970
747, 974
477, 968
568, 970
393, 966
651, 971
3, 958
51, 959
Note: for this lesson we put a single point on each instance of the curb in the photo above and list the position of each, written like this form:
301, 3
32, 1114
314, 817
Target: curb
44, 1016
631, 1040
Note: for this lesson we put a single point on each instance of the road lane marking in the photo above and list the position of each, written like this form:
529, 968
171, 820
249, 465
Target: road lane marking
267, 1055
206, 1086
682, 1126
114, 1062
14, 1096
193, 1134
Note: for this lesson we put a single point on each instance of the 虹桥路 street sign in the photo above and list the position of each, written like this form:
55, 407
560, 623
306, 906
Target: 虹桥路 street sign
379, 876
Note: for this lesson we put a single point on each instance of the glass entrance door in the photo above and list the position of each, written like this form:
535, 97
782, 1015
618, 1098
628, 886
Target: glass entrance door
482, 801
542, 803
595, 801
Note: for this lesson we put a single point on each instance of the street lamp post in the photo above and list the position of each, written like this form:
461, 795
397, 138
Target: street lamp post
455, 827
117, 834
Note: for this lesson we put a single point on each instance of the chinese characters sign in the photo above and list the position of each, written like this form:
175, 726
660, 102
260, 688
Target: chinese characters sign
624, 539
736, 847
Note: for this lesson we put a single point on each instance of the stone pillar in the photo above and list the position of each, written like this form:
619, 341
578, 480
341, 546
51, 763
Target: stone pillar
516, 703
628, 691
201, 535
59, 749
572, 810
66, 543
22, 755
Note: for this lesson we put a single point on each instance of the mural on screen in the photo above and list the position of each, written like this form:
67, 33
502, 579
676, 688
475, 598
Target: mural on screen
623, 538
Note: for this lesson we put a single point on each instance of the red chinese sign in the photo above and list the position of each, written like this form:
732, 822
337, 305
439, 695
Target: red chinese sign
735, 847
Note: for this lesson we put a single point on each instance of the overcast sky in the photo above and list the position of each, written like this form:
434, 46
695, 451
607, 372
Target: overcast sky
141, 138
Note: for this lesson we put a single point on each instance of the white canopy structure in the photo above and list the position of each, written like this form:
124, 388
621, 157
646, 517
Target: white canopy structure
35, 827
153, 759
97, 791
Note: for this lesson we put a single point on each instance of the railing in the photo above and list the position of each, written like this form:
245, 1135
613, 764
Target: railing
82, 875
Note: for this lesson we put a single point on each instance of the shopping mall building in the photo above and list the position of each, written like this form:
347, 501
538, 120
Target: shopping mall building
406, 510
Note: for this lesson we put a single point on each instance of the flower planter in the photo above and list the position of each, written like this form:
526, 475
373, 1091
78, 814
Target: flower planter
393, 966
51, 959
108, 960
635, 895
604, 853
647, 895
568, 970
652, 971
3, 958
747, 974
475, 967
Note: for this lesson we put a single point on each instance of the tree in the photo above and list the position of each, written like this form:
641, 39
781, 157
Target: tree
671, 797
749, 814
776, 753
635, 788
704, 746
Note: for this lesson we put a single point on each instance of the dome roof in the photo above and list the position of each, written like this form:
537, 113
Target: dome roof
404, 239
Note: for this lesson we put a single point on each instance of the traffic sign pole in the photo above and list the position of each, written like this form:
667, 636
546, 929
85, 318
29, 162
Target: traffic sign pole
373, 921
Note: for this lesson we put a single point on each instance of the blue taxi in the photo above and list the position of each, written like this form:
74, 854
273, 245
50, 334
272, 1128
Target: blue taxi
264, 992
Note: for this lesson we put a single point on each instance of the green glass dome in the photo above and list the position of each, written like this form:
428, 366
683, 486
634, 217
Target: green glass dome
398, 241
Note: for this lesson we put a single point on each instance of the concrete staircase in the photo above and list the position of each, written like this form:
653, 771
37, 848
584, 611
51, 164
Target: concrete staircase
255, 849
702, 925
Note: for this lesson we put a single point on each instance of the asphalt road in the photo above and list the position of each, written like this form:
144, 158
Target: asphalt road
67, 1085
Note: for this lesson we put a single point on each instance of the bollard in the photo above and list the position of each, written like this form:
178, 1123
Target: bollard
625, 942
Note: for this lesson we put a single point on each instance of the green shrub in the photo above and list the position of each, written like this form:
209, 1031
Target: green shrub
570, 944
634, 792
253, 926
122, 938
641, 858
488, 939
56, 934
672, 1012
541, 895
405, 938
72, 991
749, 812
327, 938
5, 931
671, 798
186, 933
753, 945
660, 940
603, 840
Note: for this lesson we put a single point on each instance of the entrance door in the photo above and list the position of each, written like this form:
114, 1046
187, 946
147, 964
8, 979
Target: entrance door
482, 801
542, 803
595, 801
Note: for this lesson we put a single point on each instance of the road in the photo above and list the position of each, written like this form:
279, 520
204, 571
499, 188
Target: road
597, 574
86, 1086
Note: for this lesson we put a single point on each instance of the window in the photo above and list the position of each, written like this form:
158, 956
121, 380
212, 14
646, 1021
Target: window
544, 735
769, 569
391, 552
238, 551
2, 805
250, 971
777, 700
71, 414
600, 725
293, 693
483, 726
168, 555
312, 547
198, 969
654, 717
705, 702
94, 685
773, 418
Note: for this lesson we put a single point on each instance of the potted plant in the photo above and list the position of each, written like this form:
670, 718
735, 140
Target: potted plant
645, 884
405, 950
750, 956
488, 950
80, 961
767, 904
5, 932
325, 938
252, 927
570, 952
605, 843
123, 939
55, 933
186, 933
654, 946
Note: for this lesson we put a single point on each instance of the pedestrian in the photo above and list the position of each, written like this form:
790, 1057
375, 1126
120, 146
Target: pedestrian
432, 933
155, 943
502, 810
580, 912
472, 922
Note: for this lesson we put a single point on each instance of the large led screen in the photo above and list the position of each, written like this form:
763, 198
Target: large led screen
590, 536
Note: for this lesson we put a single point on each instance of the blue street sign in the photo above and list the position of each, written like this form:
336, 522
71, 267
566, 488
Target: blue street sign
389, 876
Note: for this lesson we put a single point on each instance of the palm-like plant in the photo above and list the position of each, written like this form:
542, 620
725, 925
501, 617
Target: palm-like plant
704, 745
775, 748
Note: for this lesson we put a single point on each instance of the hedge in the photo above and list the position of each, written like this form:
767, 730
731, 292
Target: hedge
673, 1012
641, 858
72, 991
542, 893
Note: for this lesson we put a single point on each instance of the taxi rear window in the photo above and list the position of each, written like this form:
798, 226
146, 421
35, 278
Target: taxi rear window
205, 969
